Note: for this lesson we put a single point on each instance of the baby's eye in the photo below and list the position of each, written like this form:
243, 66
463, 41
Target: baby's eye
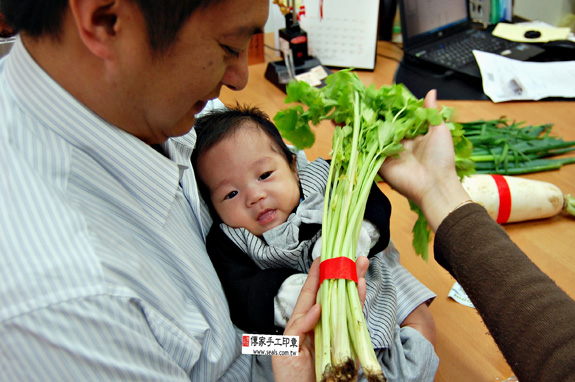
231, 195
265, 175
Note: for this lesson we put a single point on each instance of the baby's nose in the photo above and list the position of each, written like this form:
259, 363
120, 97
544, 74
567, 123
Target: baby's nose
256, 194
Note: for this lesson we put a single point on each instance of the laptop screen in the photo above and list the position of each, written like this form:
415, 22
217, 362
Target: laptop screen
427, 17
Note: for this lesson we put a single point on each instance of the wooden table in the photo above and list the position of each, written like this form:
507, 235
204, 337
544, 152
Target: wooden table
464, 346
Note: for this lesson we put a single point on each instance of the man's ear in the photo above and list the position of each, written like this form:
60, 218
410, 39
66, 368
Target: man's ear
97, 23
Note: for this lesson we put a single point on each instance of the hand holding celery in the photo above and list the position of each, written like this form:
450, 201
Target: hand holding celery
385, 117
371, 123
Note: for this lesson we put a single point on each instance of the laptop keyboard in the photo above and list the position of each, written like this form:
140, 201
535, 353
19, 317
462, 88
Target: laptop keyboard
459, 53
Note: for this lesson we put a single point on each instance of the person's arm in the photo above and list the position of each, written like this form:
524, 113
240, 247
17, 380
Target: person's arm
528, 315
422, 320
93, 338
530, 318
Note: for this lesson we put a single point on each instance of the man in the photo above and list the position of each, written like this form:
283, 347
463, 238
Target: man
102, 259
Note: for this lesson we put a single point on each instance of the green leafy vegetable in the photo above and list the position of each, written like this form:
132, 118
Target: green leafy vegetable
370, 125
388, 115
501, 147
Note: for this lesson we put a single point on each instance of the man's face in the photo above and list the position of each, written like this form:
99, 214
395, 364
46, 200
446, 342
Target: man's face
164, 93
251, 184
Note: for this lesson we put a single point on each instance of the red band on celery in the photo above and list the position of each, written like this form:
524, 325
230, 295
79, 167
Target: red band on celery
337, 268
504, 199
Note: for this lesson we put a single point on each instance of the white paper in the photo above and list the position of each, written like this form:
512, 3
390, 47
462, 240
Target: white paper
458, 294
506, 79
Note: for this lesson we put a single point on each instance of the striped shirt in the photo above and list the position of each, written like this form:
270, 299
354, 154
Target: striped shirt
103, 268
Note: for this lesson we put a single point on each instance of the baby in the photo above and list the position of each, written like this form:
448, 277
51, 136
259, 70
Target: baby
267, 204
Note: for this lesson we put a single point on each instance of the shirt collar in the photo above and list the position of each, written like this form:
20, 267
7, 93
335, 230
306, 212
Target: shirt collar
152, 178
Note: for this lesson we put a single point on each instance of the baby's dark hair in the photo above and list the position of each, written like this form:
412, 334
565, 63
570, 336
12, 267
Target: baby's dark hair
216, 125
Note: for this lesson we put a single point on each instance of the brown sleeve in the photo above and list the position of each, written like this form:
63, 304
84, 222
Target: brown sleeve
530, 318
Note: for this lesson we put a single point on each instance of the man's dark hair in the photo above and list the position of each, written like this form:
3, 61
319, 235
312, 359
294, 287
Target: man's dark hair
164, 18
219, 124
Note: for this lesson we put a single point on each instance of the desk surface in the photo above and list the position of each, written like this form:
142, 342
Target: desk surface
465, 348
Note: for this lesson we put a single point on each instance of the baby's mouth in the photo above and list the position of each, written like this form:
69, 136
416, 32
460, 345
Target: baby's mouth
266, 216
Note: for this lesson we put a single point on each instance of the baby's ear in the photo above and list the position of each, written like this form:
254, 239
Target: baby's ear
293, 165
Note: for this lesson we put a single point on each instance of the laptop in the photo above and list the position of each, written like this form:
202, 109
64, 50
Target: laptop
441, 34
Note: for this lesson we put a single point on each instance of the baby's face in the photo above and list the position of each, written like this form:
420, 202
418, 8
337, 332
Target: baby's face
251, 185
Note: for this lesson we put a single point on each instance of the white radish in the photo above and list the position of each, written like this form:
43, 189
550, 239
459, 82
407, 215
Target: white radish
510, 199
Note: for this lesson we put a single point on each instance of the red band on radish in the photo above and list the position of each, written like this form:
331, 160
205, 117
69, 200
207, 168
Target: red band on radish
504, 199
337, 268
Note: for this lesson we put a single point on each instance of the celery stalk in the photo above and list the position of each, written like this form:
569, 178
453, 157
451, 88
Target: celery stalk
371, 125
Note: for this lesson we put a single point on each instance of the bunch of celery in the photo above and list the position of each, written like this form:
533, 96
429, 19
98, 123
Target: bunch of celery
501, 147
370, 125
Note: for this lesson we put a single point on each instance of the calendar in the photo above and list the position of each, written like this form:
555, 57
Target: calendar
342, 33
